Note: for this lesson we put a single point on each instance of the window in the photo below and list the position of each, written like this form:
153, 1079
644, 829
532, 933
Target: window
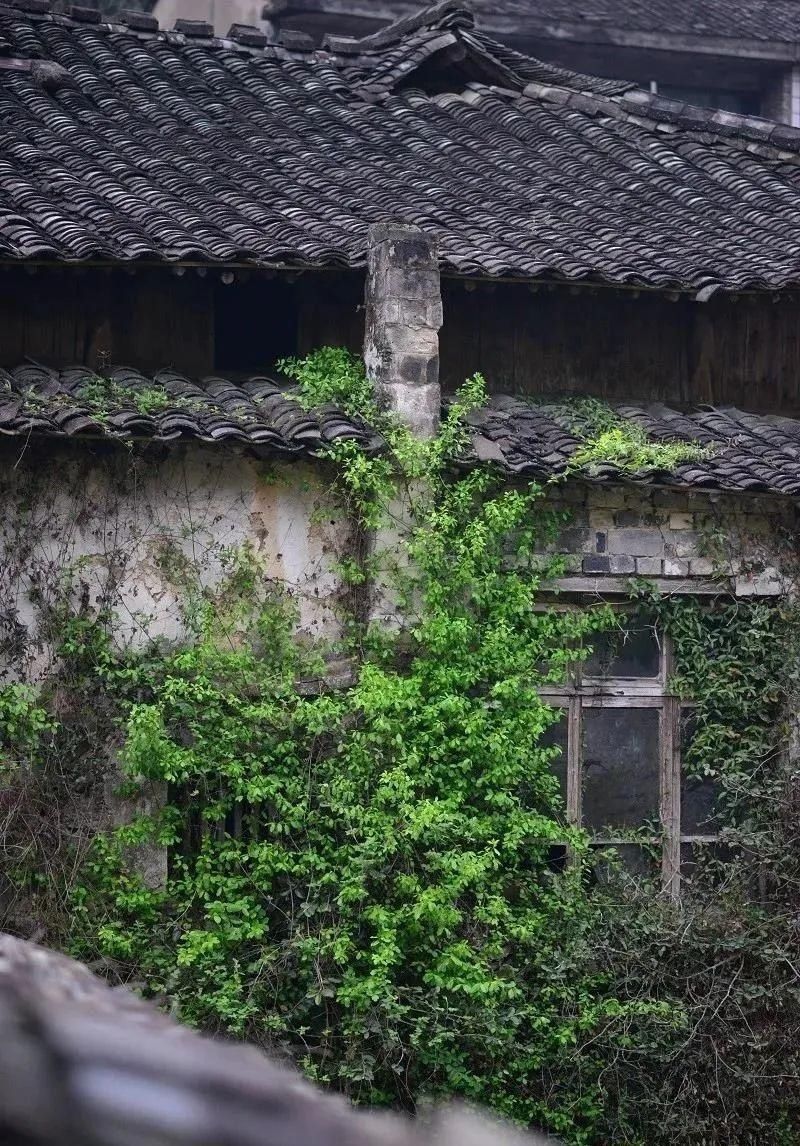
621, 738
255, 323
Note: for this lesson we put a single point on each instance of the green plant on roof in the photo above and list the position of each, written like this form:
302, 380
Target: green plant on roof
335, 376
608, 439
102, 395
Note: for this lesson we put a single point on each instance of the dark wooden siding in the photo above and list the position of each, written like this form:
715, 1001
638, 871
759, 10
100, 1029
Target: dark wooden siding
620, 346
331, 311
148, 320
153, 318
607, 343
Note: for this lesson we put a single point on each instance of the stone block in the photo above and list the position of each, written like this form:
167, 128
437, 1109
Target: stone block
417, 406
419, 313
600, 541
674, 567
765, 584
596, 564
681, 543
574, 539
626, 518
417, 370
621, 564
670, 500
572, 492
571, 562
636, 542
601, 519
610, 497
681, 521
413, 284
648, 566
701, 567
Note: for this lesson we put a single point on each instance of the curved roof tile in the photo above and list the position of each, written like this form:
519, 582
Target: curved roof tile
528, 437
177, 146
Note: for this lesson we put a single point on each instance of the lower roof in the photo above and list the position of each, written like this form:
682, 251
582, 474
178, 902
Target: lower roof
526, 437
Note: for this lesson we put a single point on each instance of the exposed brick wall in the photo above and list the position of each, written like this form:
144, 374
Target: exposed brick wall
622, 532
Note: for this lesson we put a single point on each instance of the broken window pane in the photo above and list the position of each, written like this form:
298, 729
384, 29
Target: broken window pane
698, 794
557, 858
620, 767
632, 650
624, 862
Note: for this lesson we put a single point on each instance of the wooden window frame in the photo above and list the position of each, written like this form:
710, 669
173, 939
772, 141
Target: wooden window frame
584, 692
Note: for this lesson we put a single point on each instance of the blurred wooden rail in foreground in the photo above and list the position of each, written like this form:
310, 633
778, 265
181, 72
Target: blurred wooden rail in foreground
84, 1064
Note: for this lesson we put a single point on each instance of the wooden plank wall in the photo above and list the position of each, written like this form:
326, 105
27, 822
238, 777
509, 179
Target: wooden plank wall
331, 311
616, 345
607, 343
153, 318
149, 320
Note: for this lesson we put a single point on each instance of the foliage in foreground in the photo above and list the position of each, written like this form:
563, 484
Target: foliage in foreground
366, 881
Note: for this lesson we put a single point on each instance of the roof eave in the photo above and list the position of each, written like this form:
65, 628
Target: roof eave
585, 32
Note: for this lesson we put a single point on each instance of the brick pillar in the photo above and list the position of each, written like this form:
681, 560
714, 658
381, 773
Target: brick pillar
403, 318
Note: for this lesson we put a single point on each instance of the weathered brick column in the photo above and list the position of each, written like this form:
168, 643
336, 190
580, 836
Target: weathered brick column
403, 318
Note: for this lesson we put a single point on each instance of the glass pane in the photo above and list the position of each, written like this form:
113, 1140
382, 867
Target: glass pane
625, 861
704, 864
631, 650
698, 803
620, 767
556, 737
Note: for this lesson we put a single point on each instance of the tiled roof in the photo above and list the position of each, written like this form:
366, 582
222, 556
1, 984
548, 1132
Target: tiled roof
527, 437
119, 144
746, 452
777, 20
773, 20
125, 404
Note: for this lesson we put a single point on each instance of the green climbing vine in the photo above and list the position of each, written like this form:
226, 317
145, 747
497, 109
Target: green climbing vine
369, 878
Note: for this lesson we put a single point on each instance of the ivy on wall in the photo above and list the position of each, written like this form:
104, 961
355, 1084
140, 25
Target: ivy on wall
364, 878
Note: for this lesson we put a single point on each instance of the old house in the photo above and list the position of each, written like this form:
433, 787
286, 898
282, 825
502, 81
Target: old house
178, 211
715, 53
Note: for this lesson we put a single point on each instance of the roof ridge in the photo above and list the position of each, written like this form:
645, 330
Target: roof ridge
635, 103
532, 69
717, 120
446, 15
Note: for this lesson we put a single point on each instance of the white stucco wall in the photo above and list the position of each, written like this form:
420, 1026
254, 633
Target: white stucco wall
129, 529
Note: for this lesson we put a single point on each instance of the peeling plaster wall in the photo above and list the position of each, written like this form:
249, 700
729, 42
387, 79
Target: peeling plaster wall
127, 529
